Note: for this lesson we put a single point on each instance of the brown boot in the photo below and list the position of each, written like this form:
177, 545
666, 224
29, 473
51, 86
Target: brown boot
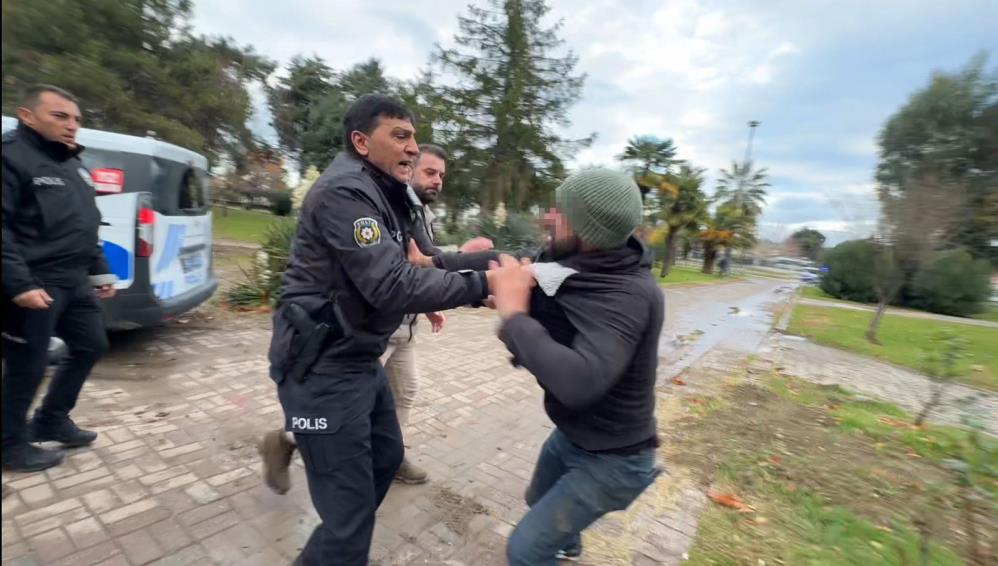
411, 473
276, 451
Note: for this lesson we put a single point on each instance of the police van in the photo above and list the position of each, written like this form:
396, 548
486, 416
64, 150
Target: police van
156, 236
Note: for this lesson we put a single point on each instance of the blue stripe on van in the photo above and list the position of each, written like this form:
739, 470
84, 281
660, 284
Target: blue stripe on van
119, 260
171, 248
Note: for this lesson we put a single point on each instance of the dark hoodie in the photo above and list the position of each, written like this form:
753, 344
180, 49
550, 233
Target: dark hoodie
591, 341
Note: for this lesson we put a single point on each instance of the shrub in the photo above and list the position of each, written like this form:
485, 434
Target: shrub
263, 280
851, 268
281, 204
952, 282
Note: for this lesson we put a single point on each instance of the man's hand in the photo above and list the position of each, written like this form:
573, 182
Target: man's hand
479, 244
510, 282
105, 291
437, 320
35, 299
417, 257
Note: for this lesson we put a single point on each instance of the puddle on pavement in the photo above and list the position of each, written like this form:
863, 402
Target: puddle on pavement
739, 325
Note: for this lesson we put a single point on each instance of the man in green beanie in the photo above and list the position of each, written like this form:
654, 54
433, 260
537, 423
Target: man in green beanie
585, 319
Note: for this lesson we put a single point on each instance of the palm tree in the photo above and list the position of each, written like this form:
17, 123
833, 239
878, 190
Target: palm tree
682, 205
728, 228
650, 156
743, 188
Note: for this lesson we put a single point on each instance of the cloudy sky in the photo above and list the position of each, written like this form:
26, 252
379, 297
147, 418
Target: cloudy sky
820, 75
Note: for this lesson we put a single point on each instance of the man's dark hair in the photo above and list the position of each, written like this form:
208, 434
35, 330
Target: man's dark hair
363, 114
432, 149
33, 95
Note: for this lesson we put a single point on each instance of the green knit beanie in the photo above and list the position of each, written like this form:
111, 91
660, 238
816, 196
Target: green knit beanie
603, 207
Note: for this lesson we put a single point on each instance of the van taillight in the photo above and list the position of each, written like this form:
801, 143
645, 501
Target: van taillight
147, 217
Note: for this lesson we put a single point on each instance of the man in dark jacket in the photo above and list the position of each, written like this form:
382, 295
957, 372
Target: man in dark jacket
399, 360
585, 319
53, 274
345, 291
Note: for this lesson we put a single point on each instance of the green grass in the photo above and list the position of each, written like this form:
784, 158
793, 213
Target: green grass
680, 275
812, 507
880, 421
990, 314
239, 224
802, 529
812, 292
903, 339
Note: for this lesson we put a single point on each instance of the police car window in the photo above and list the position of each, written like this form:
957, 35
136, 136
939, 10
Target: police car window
192, 193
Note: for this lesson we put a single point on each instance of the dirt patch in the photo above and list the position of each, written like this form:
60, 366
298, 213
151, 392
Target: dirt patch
758, 441
458, 510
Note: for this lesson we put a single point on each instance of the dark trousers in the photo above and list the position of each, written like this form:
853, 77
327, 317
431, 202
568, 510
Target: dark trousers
76, 317
571, 488
350, 461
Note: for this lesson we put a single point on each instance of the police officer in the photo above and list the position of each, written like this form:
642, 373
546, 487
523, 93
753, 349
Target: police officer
53, 274
345, 291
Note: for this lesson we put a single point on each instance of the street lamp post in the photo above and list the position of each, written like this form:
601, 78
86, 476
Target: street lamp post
753, 124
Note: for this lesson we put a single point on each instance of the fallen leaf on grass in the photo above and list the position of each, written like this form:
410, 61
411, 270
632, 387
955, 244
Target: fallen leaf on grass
885, 529
729, 500
775, 460
896, 423
678, 380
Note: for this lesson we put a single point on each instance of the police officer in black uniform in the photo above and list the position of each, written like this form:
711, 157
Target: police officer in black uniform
345, 291
53, 274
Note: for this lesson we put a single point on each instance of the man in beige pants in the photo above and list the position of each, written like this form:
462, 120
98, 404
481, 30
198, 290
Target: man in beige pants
399, 359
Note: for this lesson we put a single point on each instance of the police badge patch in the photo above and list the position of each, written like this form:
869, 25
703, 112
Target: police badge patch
366, 232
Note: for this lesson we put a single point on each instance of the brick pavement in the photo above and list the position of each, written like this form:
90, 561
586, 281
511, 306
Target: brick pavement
174, 476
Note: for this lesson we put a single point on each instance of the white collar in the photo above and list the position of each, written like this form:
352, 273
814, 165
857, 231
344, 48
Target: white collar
550, 276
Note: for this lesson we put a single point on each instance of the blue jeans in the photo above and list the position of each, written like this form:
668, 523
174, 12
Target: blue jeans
571, 488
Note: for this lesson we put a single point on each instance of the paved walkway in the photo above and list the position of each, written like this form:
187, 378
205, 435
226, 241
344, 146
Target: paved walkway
899, 312
174, 476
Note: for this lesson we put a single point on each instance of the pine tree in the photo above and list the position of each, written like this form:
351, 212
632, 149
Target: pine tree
513, 91
136, 67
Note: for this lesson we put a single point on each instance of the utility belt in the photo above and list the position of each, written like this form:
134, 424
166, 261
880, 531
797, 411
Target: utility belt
304, 327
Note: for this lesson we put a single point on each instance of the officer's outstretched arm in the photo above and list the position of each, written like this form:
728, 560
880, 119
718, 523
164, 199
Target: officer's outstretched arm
17, 277
477, 261
356, 234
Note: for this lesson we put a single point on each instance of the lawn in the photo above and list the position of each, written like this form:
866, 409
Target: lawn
812, 292
680, 275
990, 314
903, 339
240, 224
808, 474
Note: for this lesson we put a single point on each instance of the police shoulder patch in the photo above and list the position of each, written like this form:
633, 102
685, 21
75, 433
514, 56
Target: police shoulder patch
366, 232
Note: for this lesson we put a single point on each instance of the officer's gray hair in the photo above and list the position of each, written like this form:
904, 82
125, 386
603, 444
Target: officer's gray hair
33, 95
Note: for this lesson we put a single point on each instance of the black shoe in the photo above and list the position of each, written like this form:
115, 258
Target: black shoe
28, 458
66, 433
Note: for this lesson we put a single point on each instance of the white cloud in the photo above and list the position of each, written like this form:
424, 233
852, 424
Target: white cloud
692, 70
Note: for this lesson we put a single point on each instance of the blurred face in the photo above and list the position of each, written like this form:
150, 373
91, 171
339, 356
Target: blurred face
562, 242
428, 179
391, 147
55, 118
